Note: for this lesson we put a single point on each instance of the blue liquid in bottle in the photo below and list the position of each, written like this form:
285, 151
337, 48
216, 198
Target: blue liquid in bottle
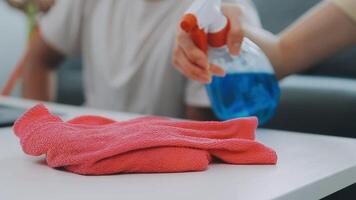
249, 88
242, 95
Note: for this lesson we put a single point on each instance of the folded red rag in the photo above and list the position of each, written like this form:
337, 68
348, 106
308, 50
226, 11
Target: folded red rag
95, 145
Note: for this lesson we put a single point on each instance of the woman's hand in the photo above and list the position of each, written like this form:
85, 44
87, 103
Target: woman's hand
193, 62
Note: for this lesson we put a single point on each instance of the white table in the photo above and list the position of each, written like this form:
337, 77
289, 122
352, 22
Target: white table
309, 167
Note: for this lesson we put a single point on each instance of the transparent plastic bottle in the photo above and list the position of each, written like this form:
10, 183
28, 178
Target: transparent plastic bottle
249, 88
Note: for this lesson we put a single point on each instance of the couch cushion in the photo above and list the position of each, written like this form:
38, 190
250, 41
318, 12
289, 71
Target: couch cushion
318, 105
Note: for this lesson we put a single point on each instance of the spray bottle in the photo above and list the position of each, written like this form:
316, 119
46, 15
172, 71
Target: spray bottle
250, 87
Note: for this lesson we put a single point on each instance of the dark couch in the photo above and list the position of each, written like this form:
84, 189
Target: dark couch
70, 83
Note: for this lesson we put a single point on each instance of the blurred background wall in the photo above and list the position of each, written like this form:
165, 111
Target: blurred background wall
12, 39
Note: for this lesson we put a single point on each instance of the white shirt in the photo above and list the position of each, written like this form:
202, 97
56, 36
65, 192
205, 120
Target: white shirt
126, 47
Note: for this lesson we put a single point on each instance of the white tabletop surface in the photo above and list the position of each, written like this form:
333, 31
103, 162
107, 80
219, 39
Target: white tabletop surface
309, 167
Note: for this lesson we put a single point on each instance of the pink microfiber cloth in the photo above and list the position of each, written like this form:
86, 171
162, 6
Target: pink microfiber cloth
94, 145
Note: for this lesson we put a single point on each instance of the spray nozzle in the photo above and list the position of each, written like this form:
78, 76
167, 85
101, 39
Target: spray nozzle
205, 22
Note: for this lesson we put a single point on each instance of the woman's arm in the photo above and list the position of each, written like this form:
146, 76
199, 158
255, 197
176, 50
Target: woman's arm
40, 60
322, 32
